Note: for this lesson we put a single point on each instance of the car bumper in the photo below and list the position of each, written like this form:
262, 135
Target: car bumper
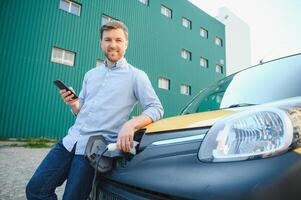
271, 178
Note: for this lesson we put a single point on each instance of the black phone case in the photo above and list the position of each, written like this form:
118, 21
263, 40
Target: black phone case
62, 86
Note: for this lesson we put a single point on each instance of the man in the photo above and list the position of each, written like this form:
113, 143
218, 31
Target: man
108, 96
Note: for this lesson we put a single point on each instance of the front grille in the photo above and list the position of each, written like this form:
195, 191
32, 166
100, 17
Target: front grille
105, 195
112, 190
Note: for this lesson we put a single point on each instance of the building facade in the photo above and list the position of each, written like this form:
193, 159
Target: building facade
179, 46
238, 40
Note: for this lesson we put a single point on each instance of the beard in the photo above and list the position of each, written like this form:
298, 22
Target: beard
113, 56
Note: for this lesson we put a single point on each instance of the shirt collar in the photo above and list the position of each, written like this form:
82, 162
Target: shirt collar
119, 64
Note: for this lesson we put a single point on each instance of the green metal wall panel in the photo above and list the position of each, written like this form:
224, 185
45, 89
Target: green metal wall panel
31, 106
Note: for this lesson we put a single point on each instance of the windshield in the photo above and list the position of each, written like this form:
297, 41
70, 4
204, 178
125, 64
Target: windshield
271, 81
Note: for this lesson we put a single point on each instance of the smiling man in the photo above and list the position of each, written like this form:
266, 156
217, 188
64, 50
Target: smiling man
105, 102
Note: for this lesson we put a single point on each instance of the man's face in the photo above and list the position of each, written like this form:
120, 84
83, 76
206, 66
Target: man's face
114, 44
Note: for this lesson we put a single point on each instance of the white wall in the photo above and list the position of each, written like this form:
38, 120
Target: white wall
238, 44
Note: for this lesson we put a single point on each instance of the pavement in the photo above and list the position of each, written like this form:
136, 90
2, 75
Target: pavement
17, 165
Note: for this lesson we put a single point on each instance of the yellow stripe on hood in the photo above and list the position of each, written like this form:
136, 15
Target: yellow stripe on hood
188, 121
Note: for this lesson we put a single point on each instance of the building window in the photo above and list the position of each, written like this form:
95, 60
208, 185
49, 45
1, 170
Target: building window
185, 89
186, 54
186, 23
218, 41
218, 99
62, 56
145, 2
203, 32
219, 68
99, 62
166, 11
105, 19
70, 7
164, 83
204, 62
221, 61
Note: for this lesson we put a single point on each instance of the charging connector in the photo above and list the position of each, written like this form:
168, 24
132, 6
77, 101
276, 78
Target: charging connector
113, 147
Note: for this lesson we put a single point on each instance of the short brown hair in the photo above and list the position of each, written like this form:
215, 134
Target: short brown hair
114, 25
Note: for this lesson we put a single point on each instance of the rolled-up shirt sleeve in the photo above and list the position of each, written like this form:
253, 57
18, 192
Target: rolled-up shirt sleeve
147, 97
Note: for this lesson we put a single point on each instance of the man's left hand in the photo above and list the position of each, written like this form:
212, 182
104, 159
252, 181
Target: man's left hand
125, 137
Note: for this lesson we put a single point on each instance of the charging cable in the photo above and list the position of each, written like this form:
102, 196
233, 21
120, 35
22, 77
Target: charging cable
110, 147
93, 191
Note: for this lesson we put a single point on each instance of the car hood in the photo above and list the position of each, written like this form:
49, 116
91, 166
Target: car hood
205, 119
188, 121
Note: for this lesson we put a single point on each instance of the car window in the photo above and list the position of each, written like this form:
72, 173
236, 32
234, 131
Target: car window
275, 80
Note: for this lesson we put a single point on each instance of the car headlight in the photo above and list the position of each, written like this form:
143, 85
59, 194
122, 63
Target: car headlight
261, 133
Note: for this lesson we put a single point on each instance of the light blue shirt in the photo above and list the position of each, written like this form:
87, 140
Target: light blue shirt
107, 98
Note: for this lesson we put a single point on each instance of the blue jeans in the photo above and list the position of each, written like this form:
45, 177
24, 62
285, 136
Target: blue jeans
57, 166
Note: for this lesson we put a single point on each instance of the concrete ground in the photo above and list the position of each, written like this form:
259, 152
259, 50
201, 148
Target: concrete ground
17, 165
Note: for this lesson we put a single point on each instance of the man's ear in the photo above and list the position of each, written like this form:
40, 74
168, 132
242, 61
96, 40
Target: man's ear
100, 43
126, 44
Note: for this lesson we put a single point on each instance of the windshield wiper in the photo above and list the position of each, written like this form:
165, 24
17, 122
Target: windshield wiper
183, 111
241, 105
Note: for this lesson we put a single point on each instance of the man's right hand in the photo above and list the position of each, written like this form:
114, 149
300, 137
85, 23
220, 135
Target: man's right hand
67, 98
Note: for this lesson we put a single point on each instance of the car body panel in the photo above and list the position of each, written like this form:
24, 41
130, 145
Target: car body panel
183, 176
298, 150
187, 121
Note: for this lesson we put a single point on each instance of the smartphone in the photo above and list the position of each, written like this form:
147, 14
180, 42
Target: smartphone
62, 86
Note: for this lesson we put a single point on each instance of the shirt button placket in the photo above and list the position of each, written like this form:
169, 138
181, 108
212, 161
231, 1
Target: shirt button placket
106, 78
